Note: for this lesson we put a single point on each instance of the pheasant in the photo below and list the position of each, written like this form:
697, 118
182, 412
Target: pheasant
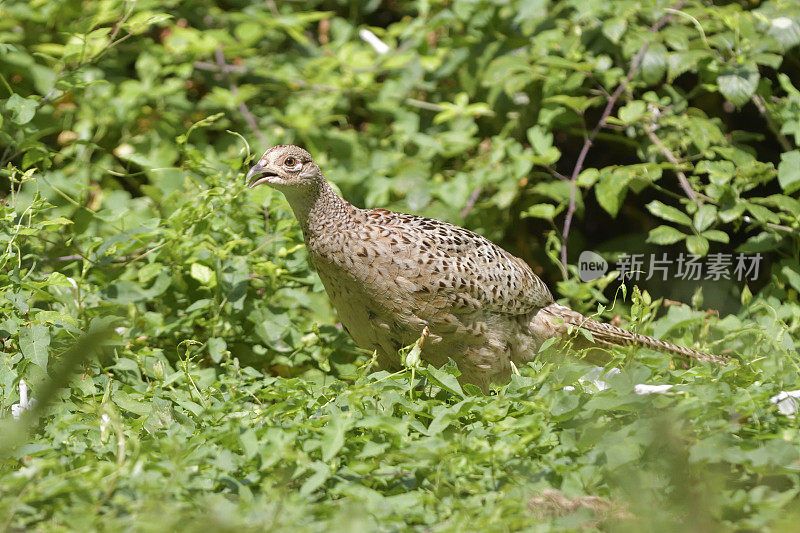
392, 276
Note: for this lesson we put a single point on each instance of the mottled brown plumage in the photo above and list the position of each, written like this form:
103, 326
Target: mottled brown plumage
389, 275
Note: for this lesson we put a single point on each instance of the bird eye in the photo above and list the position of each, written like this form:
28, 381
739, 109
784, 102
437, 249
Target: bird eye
290, 162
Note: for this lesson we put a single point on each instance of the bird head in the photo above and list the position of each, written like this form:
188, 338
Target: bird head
287, 168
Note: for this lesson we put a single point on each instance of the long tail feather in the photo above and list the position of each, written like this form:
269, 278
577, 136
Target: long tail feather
608, 335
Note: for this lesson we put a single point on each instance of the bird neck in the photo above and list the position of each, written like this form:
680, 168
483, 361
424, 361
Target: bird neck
318, 209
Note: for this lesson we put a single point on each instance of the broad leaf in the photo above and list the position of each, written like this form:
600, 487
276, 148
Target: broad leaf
670, 213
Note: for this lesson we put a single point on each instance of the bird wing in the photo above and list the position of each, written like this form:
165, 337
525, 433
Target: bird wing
457, 267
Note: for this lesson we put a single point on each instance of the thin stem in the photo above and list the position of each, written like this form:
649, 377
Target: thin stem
773, 127
424, 105
473, 198
243, 109
682, 179
8, 87
589, 139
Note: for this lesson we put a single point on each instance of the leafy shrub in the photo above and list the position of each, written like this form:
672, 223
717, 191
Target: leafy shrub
228, 393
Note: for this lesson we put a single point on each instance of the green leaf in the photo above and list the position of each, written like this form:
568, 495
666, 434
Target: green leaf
654, 63
610, 194
762, 213
203, 274
22, 109
738, 84
546, 211
333, 436
614, 182
697, 245
685, 61
33, 343
234, 277
732, 213
132, 402
791, 271
443, 379
614, 28
789, 171
588, 177
579, 104
541, 140
716, 236
249, 443
54, 317
770, 60
786, 31
216, 348
60, 221
249, 31
705, 216
57, 279
670, 213
765, 241
125, 291
564, 404
621, 452
321, 473
664, 235
632, 112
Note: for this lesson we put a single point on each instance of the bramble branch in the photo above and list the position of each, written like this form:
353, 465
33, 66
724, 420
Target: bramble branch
588, 140
682, 179
243, 109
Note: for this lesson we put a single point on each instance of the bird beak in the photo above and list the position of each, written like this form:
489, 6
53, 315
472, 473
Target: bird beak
258, 171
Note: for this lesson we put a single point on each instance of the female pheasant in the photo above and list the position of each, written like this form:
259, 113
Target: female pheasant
391, 275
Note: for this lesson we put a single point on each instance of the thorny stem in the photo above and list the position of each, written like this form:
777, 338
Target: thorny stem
588, 140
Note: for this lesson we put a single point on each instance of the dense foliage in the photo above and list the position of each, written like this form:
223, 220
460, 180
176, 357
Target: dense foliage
224, 394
